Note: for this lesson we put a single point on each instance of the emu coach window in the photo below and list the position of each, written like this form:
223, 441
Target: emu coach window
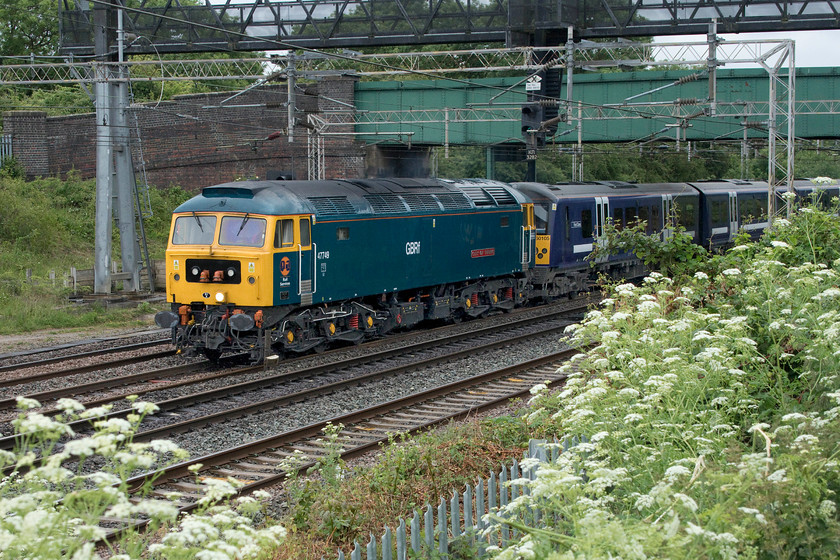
643, 217
686, 214
284, 234
194, 230
586, 223
618, 218
719, 212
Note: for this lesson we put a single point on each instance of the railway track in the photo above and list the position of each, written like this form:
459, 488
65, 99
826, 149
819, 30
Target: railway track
260, 464
271, 392
78, 355
86, 368
151, 381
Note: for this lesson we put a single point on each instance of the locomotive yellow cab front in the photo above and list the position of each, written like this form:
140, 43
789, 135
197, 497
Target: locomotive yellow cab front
221, 269
216, 259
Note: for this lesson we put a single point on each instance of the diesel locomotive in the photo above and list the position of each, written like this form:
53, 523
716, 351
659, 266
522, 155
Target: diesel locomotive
285, 267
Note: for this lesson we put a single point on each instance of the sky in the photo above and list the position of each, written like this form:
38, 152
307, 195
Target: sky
811, 48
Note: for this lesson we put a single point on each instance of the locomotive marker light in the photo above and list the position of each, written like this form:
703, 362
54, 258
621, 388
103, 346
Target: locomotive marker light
220, 297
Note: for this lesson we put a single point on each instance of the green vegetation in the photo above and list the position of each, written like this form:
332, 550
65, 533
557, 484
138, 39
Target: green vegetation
50, 511
711, 408
48, 225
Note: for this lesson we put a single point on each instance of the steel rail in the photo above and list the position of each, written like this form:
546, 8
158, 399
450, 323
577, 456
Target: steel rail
139, 377
35, 351
79, 356
107, 383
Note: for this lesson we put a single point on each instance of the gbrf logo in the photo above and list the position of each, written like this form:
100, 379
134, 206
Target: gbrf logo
412, 248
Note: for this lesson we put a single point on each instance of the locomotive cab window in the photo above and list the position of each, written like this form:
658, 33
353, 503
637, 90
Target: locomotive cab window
194, 230
342, 233
242, 231
504, 222
305, 233
284, 234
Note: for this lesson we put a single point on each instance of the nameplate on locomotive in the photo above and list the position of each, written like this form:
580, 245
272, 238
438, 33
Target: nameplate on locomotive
478, 253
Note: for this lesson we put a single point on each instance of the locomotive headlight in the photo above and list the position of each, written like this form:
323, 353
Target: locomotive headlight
231, 272
220, 297
195, 271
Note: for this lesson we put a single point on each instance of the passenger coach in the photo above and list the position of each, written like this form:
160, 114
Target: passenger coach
570, 218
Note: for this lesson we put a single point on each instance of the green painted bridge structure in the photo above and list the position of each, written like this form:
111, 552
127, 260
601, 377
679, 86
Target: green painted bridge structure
613, 107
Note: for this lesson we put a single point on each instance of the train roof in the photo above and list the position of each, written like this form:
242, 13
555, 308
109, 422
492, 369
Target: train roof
601, 188
354, 197
729, 185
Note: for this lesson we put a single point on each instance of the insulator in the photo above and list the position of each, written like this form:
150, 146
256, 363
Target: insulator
689, 78
686, 101
549, 103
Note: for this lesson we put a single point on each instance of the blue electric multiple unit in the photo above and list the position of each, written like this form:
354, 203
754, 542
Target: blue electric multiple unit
290, 266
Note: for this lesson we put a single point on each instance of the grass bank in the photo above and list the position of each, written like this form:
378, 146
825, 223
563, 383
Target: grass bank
48, 225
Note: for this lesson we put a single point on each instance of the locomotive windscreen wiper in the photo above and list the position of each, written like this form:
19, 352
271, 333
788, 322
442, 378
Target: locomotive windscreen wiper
244, 220
198, 221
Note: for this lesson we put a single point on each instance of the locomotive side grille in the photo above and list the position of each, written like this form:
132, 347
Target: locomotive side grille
331, 205
421, 202
478, 196
453, 201
489, 195
500, 195
385, 203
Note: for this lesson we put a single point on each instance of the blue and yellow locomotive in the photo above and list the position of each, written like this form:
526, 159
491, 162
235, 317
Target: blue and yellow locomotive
296, 265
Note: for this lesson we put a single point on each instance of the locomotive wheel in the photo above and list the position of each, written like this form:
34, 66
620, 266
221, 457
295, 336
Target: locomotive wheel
213, 354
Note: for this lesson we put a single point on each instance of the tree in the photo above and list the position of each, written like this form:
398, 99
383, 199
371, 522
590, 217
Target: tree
28, 26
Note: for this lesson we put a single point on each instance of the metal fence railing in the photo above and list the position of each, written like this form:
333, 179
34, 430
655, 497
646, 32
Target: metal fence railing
438, 531
5, 148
